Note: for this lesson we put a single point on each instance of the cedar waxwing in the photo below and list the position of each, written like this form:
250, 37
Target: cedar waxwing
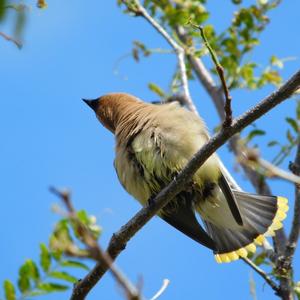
153, 144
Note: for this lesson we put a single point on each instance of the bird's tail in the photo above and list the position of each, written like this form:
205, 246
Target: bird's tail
262, 215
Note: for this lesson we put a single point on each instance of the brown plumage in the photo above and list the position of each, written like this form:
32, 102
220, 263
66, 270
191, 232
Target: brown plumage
153, 143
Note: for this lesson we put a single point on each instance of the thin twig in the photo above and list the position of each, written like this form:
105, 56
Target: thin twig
251, 158
11, 39
139, 10
275, 171
132, 293
165, 284
227, 107
119, 240
259, 271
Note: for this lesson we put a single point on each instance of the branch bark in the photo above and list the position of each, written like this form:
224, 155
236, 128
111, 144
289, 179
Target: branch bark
295, 231
285, 261
119, 240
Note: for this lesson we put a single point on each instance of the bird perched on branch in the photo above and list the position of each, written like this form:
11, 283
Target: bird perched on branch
153, 144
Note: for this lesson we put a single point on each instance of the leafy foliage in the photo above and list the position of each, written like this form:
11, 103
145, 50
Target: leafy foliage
292, 138
36, 280
52, 272
233, 46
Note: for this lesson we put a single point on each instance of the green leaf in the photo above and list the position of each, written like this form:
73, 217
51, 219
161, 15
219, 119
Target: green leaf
156, 89
61, 238
45, 258
2, 9
272, 143
135, 54
9, 290
89, 221
57, 254
247, 71
298, 110
63, 276
293, 123
272, 77
83, 217
74, 264
24, 278
33, 270
290, 137
253, 133
236, 1
275, 61
52, 287
260, 259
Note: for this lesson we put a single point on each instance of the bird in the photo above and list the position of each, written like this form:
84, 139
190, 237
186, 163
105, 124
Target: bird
153, 143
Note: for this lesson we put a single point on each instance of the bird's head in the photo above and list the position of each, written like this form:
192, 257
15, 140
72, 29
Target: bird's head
109, 107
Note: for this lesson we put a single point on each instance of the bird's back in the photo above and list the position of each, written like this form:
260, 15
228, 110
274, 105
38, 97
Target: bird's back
155, 144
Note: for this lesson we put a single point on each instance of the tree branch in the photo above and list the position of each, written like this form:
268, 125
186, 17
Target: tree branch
139, 10
11, 39
215, 93
131, 292
261, 272
284, 265
220, 71
295, 230
251, 158
119, 240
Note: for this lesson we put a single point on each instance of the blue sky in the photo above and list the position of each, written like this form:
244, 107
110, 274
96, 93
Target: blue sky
49, 137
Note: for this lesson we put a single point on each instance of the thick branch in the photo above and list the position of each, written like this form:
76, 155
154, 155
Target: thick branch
295, 231
119, 240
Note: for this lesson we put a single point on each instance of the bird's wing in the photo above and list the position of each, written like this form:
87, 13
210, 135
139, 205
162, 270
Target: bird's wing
230, 198
182, 217
157, 171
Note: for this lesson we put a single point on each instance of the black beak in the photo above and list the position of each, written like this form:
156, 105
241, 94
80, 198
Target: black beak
93, 104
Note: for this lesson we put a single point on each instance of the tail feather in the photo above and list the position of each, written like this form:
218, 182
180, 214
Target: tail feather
262, 215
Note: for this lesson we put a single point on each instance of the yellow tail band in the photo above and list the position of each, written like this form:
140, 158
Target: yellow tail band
282, 208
